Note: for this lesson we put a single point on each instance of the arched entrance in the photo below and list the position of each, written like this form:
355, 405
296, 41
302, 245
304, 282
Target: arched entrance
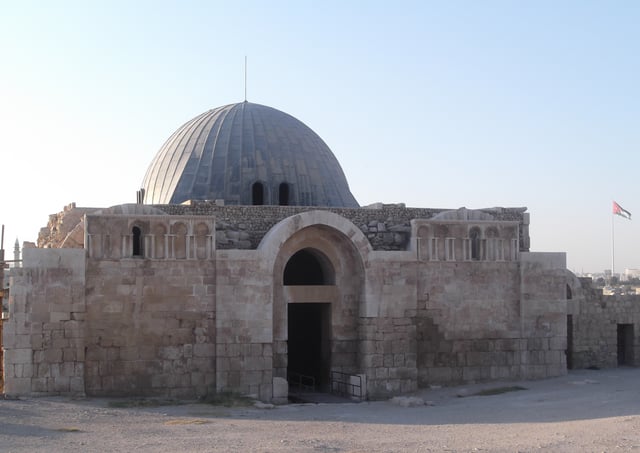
318, 285
309, 323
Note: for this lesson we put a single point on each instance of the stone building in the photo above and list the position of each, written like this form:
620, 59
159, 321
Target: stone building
248, 266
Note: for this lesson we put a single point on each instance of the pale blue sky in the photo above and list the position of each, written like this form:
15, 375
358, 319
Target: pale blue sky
434, 104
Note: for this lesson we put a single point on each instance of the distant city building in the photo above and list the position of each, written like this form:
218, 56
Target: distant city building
631, 274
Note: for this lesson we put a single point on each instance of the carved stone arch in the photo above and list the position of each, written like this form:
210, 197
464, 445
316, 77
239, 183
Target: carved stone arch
441, 231
509, 232
329, 244
159, 232
327, 290
179, 232
475, 237
494, 249
272, 242
424, 241
138, 230
202, 240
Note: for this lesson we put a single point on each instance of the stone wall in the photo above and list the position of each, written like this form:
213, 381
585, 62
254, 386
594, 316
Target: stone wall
44, 334
151, 305
388, 354
482, 321
150, 328
244, 338
467, 313
1, 360
594, 320
388, 227
543, 314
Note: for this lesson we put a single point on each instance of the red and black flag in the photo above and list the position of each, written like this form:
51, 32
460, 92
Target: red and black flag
619, 210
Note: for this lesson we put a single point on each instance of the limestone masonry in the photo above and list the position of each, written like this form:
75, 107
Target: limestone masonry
262, 295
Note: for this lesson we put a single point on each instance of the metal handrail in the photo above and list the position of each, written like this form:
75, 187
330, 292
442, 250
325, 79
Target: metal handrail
301, 381
343, 384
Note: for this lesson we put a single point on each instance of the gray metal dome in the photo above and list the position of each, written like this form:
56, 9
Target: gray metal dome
246, 154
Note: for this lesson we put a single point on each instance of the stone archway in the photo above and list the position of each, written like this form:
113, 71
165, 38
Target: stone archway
318, 281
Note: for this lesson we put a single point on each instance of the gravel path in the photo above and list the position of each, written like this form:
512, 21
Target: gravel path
585, 411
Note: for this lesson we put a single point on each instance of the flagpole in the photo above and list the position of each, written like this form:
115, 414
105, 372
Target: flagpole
613, 256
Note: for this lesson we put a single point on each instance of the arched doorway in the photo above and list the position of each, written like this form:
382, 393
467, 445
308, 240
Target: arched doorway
308, 323
318, 264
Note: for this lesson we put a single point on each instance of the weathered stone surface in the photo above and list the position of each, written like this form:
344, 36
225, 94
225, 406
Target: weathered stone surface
280, 390
186, 316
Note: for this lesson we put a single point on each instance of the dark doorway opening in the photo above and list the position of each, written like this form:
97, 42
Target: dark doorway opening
309, 345
569, 351
625, 344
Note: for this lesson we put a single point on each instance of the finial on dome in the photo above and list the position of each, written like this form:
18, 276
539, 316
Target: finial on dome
245, 78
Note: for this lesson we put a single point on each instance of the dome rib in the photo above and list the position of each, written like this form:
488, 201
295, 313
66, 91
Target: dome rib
210, 124
210, 146
181, 159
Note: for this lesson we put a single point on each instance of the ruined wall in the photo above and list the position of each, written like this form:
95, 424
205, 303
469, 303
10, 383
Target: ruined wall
594, 320
64, 229
44, 334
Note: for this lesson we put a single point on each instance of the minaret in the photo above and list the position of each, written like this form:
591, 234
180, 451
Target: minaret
16, 254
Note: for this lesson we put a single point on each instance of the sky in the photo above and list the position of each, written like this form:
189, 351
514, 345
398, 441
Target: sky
432, 104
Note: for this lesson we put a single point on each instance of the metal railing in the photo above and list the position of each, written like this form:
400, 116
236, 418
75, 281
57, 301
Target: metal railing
301, 382
346, 384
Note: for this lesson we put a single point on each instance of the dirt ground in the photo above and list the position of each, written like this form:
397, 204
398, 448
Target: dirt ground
585, 411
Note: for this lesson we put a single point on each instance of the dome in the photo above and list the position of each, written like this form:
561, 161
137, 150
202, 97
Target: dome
246, 154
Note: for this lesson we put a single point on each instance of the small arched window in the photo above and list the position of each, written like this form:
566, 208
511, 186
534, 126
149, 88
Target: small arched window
474, 235
283, 194
137, 241
257, 194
